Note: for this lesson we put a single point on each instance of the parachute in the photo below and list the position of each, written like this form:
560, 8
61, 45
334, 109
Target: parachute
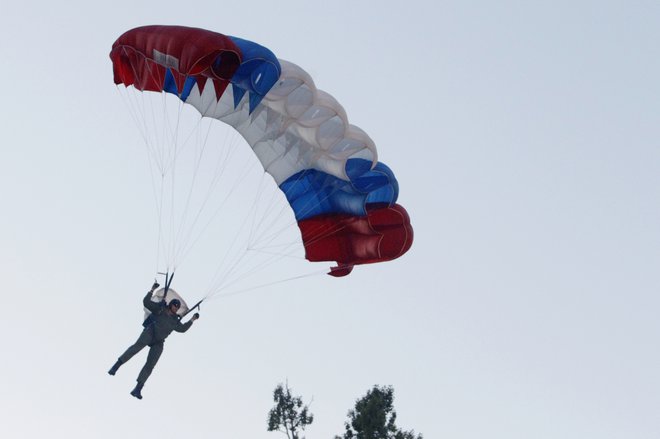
343, 198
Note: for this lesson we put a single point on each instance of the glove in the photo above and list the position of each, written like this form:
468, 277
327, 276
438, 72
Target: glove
195, 316
154, 286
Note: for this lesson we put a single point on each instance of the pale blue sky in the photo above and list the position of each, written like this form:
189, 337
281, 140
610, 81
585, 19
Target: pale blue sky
525, 138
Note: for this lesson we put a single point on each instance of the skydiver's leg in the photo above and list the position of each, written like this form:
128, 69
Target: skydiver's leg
143, 340
154, 354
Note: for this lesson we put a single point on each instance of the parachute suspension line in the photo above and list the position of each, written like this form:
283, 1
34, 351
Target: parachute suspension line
164, 132
283, 209
175, 146
151, 138
288, 250
175, 151
274, 235
136, 109
280, 254
157, 140
218, 295
251, 241
158, 181
222, 268
132, 111
170, 146
217, 210
260, 192
179, 146
264, 236
220, 167
156, 155
160, 200
260, 226
160, 142
278, 197
234, 273
232, 276
194, 133
231, 281
181, 238
201, 146
159, 134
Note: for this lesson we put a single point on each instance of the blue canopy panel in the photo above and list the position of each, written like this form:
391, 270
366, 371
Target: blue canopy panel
256, 75
169, 86
258, 72
312, 192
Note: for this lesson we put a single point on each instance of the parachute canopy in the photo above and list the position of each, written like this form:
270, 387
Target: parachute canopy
343, 198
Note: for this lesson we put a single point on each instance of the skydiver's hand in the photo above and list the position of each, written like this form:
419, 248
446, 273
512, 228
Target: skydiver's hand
154, 286
195, 316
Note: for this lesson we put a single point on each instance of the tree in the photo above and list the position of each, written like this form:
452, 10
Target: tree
289, 415
374, 417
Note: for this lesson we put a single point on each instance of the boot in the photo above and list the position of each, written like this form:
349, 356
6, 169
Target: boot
113, 369
138, 388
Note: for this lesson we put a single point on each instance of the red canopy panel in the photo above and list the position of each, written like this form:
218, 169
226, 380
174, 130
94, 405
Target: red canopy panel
141, 56
383, 234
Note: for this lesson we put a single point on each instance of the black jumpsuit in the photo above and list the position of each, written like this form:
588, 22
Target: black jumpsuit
154, 335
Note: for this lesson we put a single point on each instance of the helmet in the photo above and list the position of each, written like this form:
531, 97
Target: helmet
175, 302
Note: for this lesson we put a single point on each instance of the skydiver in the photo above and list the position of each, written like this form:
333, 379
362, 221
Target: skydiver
164, 319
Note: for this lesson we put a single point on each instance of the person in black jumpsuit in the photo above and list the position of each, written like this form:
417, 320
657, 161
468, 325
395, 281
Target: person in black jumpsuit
163, 320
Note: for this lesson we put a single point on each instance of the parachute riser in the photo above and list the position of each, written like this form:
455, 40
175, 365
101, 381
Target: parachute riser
193, 307
168, 282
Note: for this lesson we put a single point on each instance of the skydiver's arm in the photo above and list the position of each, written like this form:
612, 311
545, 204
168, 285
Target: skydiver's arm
183, 327
149, 304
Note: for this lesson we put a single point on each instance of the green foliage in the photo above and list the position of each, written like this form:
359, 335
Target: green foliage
374, 417
289, 415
